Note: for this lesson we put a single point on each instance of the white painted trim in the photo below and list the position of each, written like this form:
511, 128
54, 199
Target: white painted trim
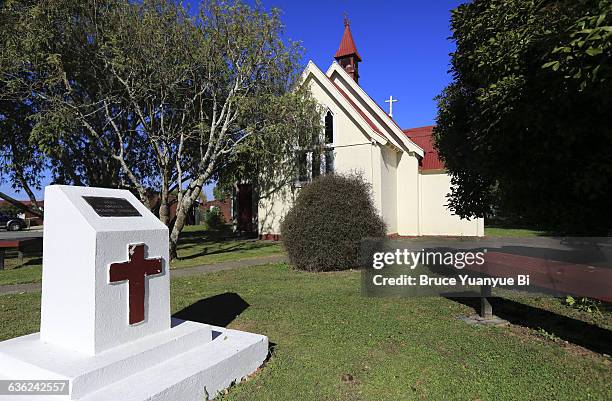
409, 144
325, 82
356, 98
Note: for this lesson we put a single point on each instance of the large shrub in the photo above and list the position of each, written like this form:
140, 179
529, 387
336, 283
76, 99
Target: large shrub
213, 218
324, 228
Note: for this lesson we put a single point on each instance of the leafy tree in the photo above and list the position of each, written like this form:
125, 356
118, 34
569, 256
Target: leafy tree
524, 127
21, 162
247, 73
234, 96
47, 68
297, 118
220, 193
156, 100
10, 210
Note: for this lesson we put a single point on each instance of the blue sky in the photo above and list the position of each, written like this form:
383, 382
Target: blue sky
404, 46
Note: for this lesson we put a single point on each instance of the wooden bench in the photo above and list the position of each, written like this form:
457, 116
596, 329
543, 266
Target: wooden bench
562, 277
19, 245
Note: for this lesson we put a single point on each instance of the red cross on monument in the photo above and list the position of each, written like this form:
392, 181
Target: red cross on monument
134, 271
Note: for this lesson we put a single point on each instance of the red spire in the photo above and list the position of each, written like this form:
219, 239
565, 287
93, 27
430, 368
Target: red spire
347, 44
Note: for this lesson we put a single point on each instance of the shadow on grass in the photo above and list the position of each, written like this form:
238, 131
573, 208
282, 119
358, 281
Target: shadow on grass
235, 247
31, 262
199, 236
575, 331
538, 231
218, 310
210, 242
212, 235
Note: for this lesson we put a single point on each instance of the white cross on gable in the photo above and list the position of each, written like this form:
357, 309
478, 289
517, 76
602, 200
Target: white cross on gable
391, 101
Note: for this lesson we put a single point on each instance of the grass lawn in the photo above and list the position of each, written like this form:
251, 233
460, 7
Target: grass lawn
29, 271
511, 232
197, 246
332, 344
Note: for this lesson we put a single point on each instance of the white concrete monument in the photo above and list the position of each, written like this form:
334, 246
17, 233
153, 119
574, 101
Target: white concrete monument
105, 315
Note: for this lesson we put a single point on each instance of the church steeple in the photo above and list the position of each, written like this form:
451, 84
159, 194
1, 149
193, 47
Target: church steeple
347, 55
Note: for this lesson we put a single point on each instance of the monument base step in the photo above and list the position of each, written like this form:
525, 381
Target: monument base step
197, 371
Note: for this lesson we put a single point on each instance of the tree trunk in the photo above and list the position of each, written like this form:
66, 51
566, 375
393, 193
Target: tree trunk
178, 222
36, 211
164, 208
33, 205
182, 209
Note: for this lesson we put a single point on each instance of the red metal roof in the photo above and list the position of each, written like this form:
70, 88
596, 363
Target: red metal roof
422, 136
347, 44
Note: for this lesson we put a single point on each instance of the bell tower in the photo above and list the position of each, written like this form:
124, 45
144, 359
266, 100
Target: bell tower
347, 55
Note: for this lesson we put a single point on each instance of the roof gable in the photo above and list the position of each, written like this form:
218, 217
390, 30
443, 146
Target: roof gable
357, 108
398, 138
345, 101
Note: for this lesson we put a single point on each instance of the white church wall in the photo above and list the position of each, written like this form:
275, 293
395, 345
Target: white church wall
272, 209
407, 195
435, 218
411, 203
347, 159
376, 181
346, 130
353, 152
356, 158
389, 188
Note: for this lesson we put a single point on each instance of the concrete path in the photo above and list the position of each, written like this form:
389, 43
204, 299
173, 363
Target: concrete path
19, 288
182, 272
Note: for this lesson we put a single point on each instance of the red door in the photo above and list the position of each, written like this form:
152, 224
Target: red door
245, 207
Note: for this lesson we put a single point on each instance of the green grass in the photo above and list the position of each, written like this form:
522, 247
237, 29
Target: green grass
197, 246
29, 271
393, 348
21, 275
512, 232
19, 315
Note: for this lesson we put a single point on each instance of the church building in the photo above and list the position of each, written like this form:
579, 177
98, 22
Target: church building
409, 182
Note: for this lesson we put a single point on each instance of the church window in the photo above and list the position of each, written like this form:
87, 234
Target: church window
328, 152
329, 128
317, 158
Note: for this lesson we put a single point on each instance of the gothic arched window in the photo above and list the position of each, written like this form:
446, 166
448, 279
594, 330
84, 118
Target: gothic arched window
329, 127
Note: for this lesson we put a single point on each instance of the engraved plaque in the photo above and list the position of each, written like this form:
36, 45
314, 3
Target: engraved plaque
106, 206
